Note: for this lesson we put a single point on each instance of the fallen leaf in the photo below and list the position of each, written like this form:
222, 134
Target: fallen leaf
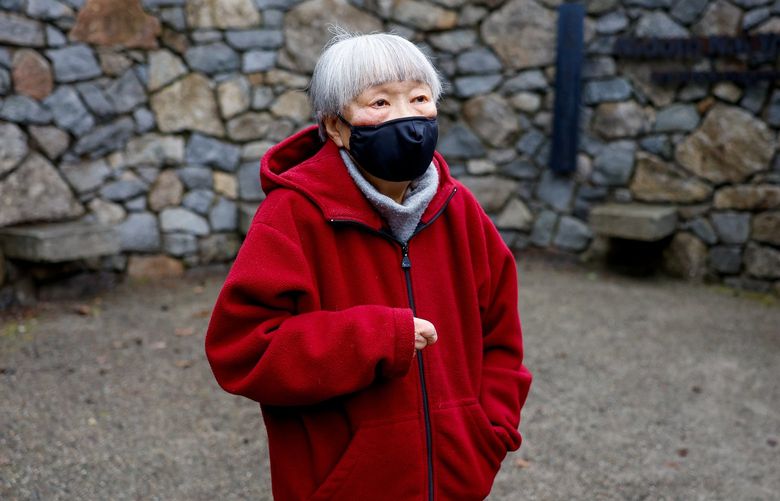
183, 364
198, 289
771, 442
158, 345
4, 461
522, 463
184, 331
202, 313
682, 452
672, 464
83, 309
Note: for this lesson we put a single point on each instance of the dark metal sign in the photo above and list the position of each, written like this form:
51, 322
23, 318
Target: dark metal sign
750, 49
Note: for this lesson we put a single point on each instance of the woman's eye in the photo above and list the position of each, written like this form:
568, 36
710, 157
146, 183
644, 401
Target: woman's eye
421, 99
380, 102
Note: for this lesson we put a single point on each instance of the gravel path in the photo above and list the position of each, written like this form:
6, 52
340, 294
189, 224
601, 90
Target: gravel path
644, 389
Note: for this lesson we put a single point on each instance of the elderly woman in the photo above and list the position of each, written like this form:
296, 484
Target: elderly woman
372, 310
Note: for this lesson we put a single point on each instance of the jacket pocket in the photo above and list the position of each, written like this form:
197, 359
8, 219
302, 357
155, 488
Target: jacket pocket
468, 452
382, 462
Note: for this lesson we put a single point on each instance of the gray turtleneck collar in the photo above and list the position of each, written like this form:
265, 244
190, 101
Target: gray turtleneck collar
402, 218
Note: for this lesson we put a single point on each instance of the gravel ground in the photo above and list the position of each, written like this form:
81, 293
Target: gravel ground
644, 389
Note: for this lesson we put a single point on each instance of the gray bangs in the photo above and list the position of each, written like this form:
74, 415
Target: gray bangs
351, 63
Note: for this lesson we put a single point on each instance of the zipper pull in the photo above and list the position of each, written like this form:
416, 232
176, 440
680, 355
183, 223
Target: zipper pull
406, 263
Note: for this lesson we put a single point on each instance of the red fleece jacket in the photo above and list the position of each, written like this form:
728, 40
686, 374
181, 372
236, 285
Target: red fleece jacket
315, 322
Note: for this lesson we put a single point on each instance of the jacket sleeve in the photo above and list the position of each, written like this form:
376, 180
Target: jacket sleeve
505, 380
261, 346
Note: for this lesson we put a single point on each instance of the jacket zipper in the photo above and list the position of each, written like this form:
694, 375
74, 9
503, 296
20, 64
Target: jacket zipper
406, 266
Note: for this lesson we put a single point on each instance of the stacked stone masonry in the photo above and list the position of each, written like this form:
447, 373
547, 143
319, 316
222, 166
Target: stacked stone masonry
152, 115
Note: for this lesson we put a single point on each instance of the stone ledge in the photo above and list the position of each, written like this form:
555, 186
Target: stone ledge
58, 242
634, 221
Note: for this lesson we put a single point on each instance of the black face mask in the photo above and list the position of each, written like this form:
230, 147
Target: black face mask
396, 150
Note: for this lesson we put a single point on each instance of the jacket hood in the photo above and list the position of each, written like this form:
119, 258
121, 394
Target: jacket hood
306, 164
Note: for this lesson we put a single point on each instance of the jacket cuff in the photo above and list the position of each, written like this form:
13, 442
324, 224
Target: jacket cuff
403, 338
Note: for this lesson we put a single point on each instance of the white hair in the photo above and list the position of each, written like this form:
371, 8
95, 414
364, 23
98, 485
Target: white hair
351, 63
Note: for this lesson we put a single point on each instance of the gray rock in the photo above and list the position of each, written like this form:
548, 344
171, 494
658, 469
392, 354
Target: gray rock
18, 30
123, 189
526, 80
48, 10
650, 4
749, 4
476, 85
614, 163
249, 182
762, 261
731, 227
14, 147
137, 204
255, 39
520, 169
773, 109
572, 235
492, 119
479, 60
544, 225
555, 190
658, 24
144, 120
602, 45
195, 177
87, 175
95, 98
276, 4
453, 41
262, 97
174, 17
51, 140
273, 18
199, 201
12, 5
754, 96
693, 92
126, 92
23, 109
178, 220
154, 150
5, 57
224, 215
633, 221
754, 18
212, 58
68, 111
180, 244
5, 82
74, 63
258, 60
204, 150
139, 233
530, 142
611, 23
677, 117
726, 258
206, 36
702, 229
106, 138
164, 68
34, 191
687, 11
218, 247
492, 192
460, 142
614, 89
598, 67
153, 4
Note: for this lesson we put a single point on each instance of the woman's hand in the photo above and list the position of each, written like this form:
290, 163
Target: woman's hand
424, 333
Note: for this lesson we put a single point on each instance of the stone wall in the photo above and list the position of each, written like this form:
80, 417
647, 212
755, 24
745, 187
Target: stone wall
152, 115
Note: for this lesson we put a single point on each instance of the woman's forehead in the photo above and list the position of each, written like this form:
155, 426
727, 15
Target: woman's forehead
397, 86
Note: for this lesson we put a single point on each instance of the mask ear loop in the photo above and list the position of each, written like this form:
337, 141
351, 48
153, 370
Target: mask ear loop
344, 120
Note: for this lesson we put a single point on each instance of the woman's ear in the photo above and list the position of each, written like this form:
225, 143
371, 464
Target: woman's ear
337, 131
